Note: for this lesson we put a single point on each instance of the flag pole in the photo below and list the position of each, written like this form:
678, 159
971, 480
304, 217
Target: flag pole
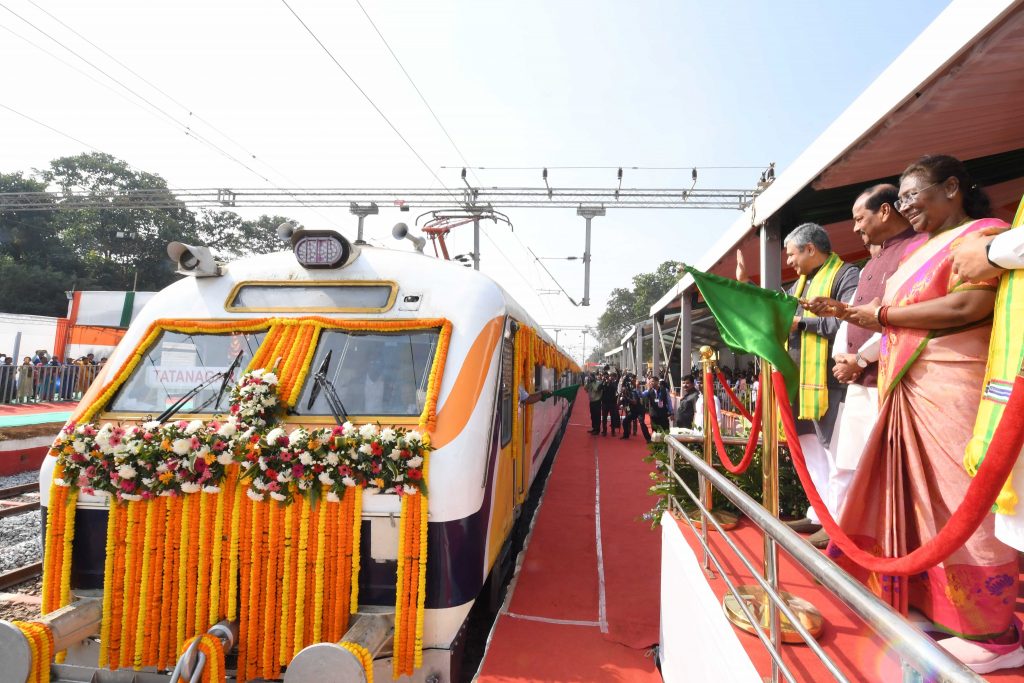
727, 520
779, 629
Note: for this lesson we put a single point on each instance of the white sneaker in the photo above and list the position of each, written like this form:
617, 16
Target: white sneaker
984, 659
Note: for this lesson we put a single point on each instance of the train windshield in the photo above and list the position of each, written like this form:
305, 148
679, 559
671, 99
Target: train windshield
176, 363
373, 374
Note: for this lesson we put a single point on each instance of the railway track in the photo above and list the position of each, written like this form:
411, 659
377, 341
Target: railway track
16, 500
20, 575
16, 507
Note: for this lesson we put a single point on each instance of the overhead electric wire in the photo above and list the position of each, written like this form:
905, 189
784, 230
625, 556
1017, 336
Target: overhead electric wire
465, 164
159, 110
537, 260
606, 168
188, 130
49, 127
368, 98
191, 112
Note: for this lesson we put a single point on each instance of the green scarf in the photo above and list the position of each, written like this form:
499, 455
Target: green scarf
1005, 351
813, 401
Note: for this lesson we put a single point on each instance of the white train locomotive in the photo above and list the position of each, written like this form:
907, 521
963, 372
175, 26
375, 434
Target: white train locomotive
392, 338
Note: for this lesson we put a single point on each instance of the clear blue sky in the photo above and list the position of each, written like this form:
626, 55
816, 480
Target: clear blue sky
525, 83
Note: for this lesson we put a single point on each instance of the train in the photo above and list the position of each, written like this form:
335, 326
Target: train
396, 341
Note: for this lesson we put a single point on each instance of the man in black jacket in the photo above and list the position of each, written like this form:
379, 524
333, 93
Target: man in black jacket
686, 409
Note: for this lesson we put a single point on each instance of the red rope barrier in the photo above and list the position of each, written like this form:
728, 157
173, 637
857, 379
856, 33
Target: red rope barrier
716, 433
732, 397
1002, 454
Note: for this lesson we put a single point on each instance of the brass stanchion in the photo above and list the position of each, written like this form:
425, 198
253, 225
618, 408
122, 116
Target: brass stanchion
726, 519
757, 598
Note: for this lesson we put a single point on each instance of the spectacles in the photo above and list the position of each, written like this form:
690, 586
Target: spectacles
910, 197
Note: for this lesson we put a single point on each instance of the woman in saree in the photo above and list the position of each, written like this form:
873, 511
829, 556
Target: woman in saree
911, 479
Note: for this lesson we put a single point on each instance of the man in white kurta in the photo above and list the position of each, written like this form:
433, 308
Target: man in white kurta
985, 256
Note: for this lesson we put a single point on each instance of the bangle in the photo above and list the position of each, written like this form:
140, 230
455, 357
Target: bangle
878, 315
883, 316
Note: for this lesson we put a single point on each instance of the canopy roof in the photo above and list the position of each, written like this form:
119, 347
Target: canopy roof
957, 89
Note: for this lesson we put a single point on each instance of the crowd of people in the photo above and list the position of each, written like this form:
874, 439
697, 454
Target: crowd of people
624, 402
894, 362
43, 377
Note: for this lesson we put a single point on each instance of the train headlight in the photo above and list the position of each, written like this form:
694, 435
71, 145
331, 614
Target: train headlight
322, 249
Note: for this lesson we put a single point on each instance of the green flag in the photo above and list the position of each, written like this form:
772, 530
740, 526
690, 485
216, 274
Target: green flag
568, 392
752, 320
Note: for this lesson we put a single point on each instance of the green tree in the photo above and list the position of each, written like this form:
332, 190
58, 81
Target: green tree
115, 244
28, 235
34, 288
627, 307
229, 236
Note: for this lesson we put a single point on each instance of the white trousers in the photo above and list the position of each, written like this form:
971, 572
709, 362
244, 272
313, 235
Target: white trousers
1010, 528
821, 466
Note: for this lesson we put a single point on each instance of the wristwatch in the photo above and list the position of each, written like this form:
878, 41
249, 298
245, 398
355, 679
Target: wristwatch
861, 362
988, 256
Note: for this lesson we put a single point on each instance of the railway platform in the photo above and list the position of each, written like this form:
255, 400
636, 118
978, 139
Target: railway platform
583, 605
26, 432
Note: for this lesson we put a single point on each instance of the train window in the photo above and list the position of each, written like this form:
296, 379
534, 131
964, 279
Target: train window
323, 296
506, 391
176, 363
373, 374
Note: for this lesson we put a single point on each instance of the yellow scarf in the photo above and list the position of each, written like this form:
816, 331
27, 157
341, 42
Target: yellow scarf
1005, 351
813, 401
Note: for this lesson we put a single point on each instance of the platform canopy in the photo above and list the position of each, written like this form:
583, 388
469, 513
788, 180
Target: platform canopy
957, 89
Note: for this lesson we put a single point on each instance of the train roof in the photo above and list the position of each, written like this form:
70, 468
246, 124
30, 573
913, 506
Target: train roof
439, 289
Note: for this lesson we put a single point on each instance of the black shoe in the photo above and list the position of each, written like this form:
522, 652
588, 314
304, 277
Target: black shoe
624, 436
604, 432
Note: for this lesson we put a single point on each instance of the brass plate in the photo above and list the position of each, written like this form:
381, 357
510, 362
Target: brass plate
756, 599
727, 520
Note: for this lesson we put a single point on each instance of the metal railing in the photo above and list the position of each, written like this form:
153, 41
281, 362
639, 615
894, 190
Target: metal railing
45, 383
920, 656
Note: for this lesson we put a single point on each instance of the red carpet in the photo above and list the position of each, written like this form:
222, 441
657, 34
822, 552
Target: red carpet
26, 408
851, 644
554, 628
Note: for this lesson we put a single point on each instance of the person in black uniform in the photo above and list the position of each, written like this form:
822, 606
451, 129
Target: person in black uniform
609, 403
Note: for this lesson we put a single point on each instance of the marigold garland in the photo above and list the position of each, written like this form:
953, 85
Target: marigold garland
40, 643
210, 645
153, 547
364, 657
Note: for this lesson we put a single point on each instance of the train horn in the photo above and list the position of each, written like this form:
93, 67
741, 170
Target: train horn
401, 231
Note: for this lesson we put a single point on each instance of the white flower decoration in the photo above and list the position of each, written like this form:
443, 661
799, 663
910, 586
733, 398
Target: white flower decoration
258, 497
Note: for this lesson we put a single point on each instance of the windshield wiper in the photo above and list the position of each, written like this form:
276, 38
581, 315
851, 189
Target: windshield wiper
320, 382
223, 376
215, 400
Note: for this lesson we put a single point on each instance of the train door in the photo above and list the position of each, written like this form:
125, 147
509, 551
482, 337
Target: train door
505, 468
